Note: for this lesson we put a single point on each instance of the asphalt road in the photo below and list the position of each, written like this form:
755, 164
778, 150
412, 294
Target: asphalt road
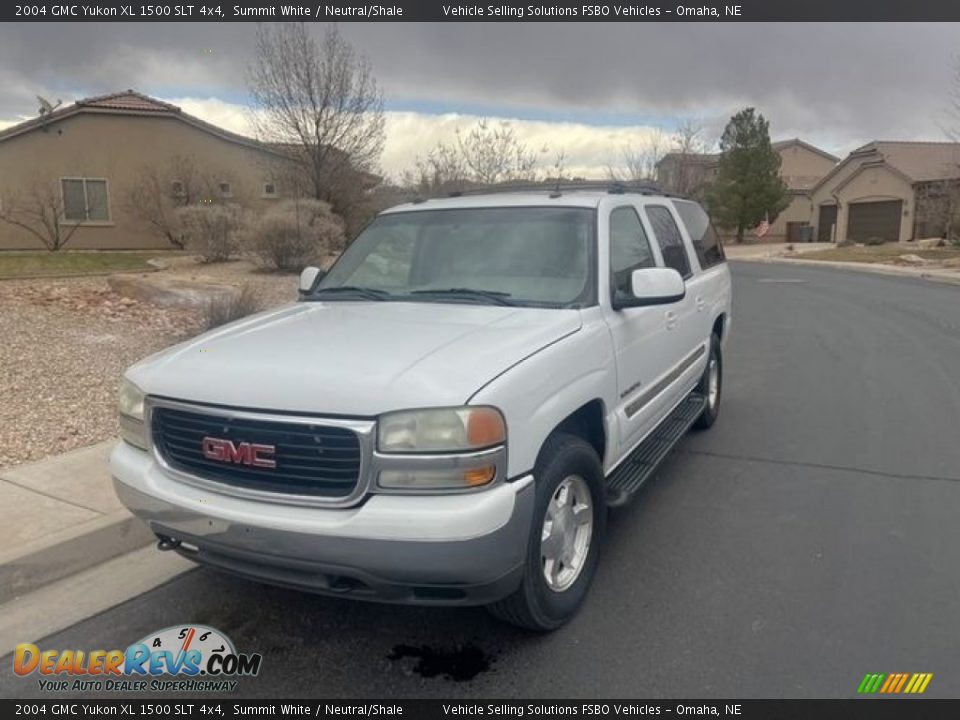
810, 537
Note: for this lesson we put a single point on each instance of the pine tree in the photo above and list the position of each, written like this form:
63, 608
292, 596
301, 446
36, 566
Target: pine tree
748, 188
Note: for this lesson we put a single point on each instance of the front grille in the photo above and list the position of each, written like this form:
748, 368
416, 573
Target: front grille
310, 459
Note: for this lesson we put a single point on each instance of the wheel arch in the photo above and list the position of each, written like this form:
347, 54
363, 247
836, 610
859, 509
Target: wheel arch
586, 422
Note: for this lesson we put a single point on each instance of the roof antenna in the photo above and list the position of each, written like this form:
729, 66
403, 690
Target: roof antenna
46, 109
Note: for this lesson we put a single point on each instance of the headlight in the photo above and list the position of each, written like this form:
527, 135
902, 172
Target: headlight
441, 430
130, 405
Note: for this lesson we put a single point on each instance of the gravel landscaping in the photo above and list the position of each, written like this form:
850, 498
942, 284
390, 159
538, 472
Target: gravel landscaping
65, 342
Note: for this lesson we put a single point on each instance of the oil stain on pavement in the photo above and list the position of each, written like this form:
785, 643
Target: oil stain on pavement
460, 664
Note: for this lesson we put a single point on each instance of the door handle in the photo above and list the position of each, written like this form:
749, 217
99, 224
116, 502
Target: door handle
701, 304
670, 319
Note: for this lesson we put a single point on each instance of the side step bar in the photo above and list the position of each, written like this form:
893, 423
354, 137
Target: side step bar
633, 472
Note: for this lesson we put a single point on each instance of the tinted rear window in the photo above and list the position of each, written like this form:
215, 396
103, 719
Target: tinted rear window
705, 239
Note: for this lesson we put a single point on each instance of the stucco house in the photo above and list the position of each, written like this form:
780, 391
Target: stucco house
88, 157
802, 167
887, 190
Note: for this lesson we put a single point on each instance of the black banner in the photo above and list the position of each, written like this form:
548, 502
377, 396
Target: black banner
497, 11
915, 709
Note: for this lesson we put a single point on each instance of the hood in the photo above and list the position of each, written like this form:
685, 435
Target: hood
353, 358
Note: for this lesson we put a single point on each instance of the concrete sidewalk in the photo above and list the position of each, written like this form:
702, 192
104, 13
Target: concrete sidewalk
923, 273
60, 516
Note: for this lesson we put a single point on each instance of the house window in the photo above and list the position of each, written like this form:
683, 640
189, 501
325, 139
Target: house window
85, 200
269, 190
226, 190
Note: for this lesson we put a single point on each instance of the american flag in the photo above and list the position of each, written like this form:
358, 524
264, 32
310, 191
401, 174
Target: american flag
763, 228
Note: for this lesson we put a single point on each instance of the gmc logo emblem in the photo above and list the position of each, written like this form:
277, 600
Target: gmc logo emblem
243, 453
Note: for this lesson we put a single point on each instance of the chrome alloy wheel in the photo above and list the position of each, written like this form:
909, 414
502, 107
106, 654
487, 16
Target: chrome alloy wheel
713, 382
567, 531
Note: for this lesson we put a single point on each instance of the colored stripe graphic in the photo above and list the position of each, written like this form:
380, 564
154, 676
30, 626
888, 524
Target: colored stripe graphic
894, 683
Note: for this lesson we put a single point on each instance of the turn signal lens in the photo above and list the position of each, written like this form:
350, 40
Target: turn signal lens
485, 427
478, 476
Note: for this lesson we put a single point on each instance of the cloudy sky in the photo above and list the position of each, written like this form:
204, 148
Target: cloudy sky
588, 89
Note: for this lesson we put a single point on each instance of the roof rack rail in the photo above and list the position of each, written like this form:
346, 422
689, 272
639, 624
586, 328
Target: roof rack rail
614, 187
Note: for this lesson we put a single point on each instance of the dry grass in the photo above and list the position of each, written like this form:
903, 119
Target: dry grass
222, 310
888, 254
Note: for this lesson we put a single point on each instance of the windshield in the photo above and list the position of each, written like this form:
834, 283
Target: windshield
529, 256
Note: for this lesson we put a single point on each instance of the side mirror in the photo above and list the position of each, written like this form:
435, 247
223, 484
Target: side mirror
653, 286
309, 277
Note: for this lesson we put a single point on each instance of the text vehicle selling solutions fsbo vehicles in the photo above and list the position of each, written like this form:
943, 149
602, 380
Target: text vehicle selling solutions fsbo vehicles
446, 415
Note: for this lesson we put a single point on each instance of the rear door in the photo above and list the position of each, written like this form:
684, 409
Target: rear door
710, 284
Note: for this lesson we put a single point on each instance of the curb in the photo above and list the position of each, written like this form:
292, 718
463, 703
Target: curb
877, 268
70, 551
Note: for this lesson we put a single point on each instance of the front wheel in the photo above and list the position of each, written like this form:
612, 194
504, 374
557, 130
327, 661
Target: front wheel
568, 526
711, 385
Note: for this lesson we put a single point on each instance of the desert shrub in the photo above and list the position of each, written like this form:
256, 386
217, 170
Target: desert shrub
212, 231
294, 233
873, 240
224, 309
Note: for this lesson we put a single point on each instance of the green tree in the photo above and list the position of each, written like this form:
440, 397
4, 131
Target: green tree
748, 188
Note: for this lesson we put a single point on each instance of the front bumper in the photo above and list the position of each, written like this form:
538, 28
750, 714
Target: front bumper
463, 549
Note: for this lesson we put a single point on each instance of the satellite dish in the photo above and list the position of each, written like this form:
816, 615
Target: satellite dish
45, 107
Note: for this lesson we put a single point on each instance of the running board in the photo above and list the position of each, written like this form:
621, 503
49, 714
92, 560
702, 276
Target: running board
633, 472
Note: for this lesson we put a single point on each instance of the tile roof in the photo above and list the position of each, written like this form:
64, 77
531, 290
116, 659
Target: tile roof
920, 161
129, 100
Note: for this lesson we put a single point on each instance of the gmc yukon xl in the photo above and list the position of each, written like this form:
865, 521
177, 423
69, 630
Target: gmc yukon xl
446, 415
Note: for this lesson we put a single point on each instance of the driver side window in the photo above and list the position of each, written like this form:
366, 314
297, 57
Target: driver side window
629, 250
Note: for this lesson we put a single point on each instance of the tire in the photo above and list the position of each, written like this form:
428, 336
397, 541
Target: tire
709, 415
565, 461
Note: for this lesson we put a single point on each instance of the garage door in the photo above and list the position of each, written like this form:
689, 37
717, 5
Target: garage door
874, 219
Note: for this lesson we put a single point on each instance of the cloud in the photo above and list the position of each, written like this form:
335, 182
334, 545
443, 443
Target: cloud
588, 149
837, 85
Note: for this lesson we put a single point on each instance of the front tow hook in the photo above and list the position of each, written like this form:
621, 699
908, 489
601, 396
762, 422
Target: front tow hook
167, 543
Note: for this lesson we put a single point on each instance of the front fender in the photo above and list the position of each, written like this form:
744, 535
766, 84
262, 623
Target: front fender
537, 394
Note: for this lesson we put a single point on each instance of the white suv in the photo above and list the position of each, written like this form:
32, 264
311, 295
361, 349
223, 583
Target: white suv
447, 414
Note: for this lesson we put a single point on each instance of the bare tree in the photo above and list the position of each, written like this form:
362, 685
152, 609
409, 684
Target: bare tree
317, 101
938, 209
639, 162
493, 153
442, 169
687, 175
485, 154
158, 191
41, 211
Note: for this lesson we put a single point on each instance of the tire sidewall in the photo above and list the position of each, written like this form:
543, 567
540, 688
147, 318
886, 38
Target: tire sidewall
575, 457
710, 414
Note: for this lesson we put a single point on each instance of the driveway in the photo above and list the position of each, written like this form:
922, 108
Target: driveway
809, 538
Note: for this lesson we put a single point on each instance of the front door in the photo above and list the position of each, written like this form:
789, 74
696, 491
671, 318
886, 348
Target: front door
825, 223
640, 334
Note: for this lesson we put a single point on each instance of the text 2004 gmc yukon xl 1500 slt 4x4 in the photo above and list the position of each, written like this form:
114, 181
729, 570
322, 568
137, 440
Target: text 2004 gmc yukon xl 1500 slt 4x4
446, 415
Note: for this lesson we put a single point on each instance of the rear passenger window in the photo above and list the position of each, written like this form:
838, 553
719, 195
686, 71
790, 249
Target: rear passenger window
668, 236
705, 239
629, 250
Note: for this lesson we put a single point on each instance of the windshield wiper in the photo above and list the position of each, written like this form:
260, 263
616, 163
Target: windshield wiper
500, 298
365, 293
